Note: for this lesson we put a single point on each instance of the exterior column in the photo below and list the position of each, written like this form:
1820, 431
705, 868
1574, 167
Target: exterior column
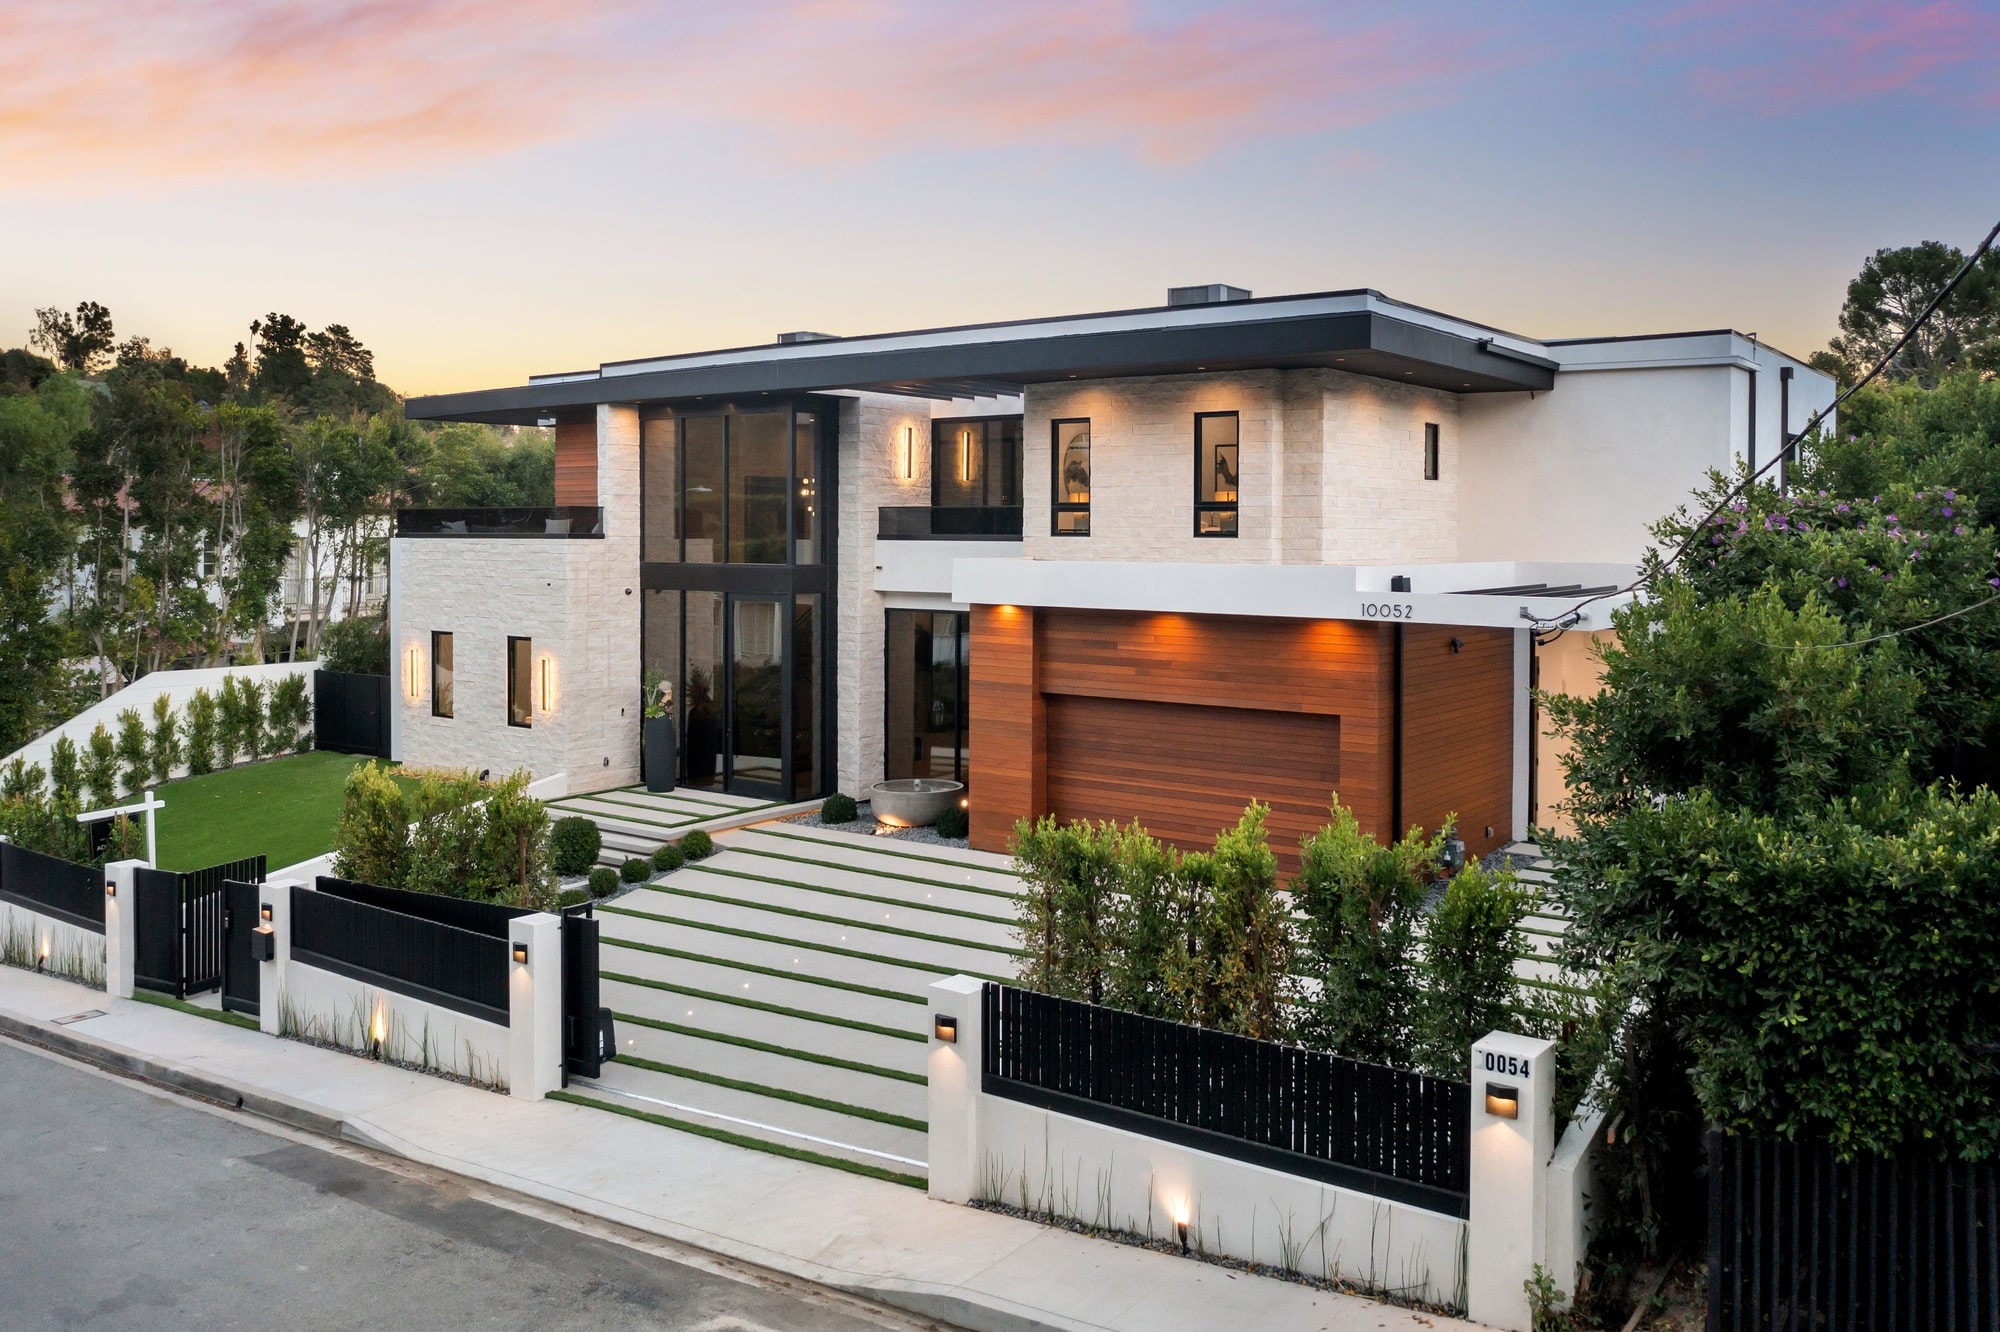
534, 1005
276, 895
955, 1070
1513, 1137
121, 932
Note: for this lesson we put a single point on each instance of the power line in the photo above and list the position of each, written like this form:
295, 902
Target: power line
1811, 425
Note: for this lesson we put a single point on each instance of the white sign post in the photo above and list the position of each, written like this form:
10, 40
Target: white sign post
146, 806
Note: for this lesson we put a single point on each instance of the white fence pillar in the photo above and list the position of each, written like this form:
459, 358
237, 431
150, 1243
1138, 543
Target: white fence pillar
534, 1005
1513, 1136
274, 895
121, 934
954, 1088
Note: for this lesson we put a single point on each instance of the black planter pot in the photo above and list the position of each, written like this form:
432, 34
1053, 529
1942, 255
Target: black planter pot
658, 757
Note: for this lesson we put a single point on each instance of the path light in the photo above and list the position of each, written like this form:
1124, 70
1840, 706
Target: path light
377, 1030
521, 954
1179, 1209
1503, 1102
111, 888
945, 1029
264, 910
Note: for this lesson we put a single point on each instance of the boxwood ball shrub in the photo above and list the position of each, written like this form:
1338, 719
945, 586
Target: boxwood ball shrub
952, 823
573, 844
697, 844
838, 808
636, 870
669, 857
603, 881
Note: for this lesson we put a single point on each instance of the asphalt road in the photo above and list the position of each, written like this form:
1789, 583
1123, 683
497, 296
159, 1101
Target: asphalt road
123, 1207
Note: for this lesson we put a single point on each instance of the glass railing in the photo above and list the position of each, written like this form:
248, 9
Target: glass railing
560, 520
930, 523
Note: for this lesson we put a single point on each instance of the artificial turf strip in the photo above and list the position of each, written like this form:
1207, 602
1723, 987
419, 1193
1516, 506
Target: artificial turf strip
747, 1043
855, 894
854, 1024
651, 824
243, 1020
742, 1140
824, 919
649, 813
741, 849
777, 1093
681, 793
836, 949
891, 851
852, 987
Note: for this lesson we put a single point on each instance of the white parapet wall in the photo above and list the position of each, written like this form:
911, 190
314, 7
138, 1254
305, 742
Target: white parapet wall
40, 942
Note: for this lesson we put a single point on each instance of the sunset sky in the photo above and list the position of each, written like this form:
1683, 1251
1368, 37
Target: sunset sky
482, 189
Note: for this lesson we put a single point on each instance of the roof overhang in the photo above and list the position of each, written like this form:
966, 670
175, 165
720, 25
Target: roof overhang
1367, 340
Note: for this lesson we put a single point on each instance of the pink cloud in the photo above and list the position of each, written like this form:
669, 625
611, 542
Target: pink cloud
105, 90
1793, 56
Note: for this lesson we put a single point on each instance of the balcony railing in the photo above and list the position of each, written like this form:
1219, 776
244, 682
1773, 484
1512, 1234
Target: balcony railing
561, 520
927, 523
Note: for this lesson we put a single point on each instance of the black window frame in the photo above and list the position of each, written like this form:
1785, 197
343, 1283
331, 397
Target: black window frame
991, 435
1059, 507
514, 684
447, 710
1431, 451
1234, 508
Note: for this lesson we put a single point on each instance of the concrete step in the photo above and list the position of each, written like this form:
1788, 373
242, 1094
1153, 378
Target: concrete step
806, 993
786, 1069
779, 953
843, 893
719, 1015
935, 864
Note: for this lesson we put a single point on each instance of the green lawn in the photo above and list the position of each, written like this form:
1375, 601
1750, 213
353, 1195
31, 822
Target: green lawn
284, 809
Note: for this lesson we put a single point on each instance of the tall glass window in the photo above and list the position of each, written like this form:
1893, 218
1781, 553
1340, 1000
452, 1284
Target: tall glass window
1069, 450
925, 691
660, 473
440, 675
520, 682
805, 493
1217, 469
976, 463
1430, 451
701, 488
760, 457
808, 699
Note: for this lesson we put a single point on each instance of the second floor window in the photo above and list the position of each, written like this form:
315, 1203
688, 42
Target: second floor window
520, 682
1217, 467
1069, 443
976, 463
1430, 451
440, 675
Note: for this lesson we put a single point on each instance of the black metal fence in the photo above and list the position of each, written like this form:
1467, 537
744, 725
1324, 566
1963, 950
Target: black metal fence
479, 917
1799, 1240
1384, 1131
459, 969
561, 520
351, 713
57, 888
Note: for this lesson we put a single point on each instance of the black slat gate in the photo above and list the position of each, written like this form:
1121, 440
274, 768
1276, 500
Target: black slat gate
241, 972
180, 925
587, 1039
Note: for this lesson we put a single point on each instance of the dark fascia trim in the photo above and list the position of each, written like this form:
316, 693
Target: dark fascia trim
1750, 338
1367, 342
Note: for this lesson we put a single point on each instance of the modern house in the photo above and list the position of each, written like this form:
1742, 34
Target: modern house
1142, 564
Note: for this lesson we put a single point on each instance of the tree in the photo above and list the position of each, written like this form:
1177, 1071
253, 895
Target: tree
37, 533
282, 368
1893, 289
79, 342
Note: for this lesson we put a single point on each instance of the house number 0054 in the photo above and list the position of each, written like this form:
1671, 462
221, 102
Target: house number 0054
1508, 1064
1388, 610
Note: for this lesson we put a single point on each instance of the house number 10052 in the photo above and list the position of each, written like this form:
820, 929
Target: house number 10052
1388, 610
1508, 1064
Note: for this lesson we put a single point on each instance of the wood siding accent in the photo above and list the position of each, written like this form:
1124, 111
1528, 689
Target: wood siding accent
1186, 772
1458, 731
576, 461
1007, 731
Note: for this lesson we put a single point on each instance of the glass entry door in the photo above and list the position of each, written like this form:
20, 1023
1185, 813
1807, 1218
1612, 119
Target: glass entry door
756, 695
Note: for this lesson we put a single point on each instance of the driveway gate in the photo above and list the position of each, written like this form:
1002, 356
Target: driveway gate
241, 972
180, 926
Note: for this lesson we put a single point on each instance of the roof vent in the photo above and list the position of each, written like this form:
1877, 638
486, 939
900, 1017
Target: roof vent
785, 339
1215, 293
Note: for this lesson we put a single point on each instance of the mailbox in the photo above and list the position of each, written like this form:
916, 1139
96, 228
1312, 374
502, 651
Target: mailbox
263, 944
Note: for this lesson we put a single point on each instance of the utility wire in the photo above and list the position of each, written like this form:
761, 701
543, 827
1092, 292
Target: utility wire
1811, 425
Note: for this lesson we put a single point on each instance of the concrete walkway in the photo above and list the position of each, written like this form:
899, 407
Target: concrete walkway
878, 1240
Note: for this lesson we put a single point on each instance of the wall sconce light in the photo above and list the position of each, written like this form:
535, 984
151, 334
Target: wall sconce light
965, 455
410, 674
1457, 644
264, 910
546, 694
521, 954
1503, 1102
111, 887
908, 470
945, 1029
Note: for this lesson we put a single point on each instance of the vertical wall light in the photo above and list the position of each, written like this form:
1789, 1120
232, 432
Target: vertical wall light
908, 470
548, 687
410, 675
965, 455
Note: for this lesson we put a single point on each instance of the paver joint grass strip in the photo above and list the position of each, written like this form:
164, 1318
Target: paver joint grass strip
925, 967
243, 1020
777, 1093
892, 851
803, 1015
854, 893
747, 1043
737, 845
671, 889
804, 978
742, 1140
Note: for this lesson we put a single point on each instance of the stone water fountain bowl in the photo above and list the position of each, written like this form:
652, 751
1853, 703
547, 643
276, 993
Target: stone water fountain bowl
913, 802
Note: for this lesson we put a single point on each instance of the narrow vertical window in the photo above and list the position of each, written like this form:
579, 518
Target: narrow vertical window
1069, 444
1430, 451
1217, 466
520, 682
440, 675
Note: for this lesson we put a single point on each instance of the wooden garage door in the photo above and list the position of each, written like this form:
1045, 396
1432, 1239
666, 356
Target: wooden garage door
1185, 772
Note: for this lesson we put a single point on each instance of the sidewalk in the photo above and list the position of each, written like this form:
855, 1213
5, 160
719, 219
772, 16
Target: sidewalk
886, 1242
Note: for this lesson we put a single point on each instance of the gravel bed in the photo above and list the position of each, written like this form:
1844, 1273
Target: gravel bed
865, 825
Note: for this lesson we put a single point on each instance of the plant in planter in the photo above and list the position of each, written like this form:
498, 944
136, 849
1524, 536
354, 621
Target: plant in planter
704, 729
658, 743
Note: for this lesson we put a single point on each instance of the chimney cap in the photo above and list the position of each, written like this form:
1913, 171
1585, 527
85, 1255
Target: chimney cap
1215, 293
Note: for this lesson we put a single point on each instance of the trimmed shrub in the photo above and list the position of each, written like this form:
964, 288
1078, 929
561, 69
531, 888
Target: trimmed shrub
697, 845
953, 822
228, 723
371, 843
603, 881
837, 808
23, 781
636, 870
135, 751
100, 769
290, 711
1470, 944
573, 844
166, 739
513, 854
65, 770
668, 858
198, 729
570, 897
357, 647
250, 718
